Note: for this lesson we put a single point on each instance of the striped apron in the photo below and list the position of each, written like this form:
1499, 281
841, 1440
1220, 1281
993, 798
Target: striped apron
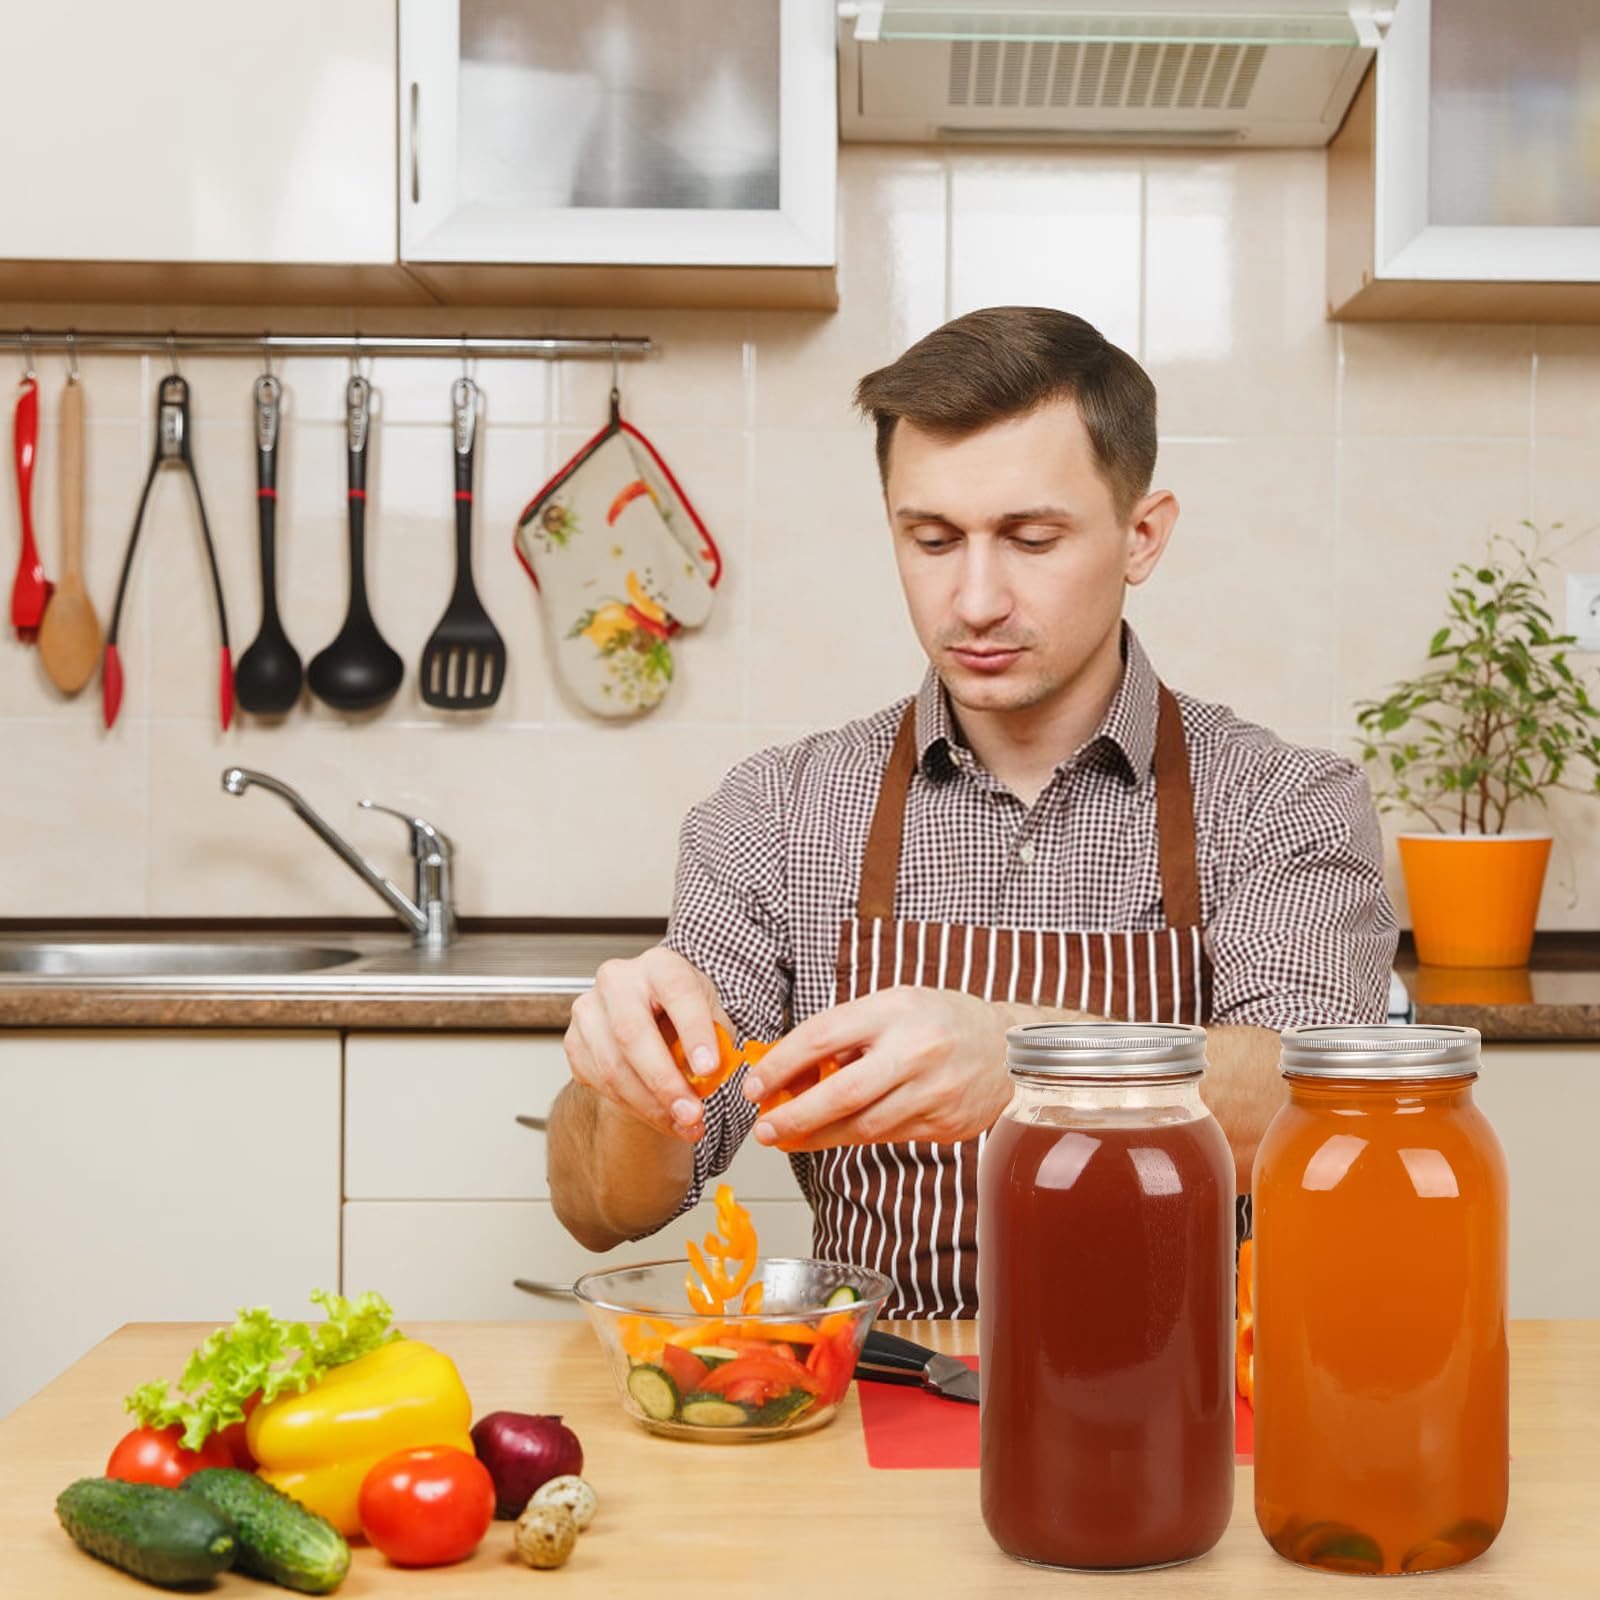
910, 1210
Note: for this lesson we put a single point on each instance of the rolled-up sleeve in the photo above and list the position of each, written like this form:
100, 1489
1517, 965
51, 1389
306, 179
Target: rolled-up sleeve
730, 921
1305, 933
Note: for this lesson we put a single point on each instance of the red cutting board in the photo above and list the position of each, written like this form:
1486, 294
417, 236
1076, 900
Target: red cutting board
908, 1427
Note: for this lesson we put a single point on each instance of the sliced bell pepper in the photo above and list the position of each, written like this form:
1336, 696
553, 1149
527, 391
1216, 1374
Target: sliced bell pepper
320, 1445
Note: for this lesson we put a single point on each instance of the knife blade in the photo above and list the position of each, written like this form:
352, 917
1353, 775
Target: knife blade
887, 1358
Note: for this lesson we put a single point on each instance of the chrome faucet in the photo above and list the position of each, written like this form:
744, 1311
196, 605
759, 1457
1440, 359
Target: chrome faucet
431, 917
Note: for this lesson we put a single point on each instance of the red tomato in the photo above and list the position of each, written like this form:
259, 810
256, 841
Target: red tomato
234, 1436
684, 1367
427, 1508
153, 1455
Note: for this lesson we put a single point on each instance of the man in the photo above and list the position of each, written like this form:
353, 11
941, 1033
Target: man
1043, 832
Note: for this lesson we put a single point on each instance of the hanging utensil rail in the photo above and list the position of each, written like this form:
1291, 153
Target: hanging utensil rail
316, 344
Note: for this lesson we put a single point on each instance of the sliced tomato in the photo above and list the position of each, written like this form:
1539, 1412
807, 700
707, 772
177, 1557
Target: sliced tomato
684, 1367
764, 1368
749, 1392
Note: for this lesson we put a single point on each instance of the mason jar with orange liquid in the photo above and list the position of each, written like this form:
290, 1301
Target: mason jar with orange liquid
1381, 1375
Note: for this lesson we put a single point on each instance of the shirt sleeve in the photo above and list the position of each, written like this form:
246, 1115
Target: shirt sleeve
1305, 935
730, 921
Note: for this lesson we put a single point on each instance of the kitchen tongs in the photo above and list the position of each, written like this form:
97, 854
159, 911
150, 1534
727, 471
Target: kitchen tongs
172, 448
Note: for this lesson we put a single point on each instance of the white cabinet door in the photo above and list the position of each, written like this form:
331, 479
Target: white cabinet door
436, 1117
435, 1259
188, 131
650, 132
1544, 1102
152, 1176
1485, 167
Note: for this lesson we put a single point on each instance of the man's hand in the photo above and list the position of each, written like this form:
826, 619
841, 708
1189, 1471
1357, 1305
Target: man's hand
922, 1064
614, 1044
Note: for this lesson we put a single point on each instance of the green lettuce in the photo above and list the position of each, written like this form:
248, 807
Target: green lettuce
261, 1354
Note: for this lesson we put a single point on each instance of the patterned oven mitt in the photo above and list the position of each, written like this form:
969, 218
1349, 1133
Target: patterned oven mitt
623, 562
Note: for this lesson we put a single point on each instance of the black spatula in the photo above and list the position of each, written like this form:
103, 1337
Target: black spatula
464, 660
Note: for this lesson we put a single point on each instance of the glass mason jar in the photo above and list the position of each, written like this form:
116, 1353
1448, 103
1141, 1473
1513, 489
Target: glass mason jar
1380, 1303
1105, 1266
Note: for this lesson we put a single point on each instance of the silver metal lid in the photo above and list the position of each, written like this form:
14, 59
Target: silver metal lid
1397, 1052
1106, 1050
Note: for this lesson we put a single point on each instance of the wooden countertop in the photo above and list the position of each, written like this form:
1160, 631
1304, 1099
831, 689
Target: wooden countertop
801, 1517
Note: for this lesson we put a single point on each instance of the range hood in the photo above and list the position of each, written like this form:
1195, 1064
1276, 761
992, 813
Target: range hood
1185, 72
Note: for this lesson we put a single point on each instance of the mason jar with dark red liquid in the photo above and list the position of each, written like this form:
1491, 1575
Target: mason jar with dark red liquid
1105, 1263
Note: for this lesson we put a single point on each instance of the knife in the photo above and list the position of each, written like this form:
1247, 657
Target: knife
886, 1358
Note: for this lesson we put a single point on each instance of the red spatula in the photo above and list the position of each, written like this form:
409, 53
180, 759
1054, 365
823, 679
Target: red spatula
30, 589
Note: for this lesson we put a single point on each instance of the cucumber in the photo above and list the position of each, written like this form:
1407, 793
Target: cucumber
784, 1408
654, 1390
279, 1539
714, 1354
158, 1534
713, 1411
844, 1295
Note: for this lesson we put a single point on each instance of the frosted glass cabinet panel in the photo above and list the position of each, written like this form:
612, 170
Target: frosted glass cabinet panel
1488, 142
656, 132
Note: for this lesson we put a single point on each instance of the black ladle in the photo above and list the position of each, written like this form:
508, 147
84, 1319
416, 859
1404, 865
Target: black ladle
268, 675
358, 670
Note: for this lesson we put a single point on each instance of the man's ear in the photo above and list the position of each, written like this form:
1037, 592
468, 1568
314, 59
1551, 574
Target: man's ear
1150, 526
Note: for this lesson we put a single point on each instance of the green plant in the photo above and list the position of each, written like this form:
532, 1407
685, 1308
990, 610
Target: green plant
1501, 718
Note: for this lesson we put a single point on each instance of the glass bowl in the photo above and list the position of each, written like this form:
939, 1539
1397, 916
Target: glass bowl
777, 1373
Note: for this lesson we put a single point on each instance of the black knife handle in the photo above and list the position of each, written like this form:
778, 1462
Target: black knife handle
887, 1358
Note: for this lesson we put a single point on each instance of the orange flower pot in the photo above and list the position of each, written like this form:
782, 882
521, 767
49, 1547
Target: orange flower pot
1474, 897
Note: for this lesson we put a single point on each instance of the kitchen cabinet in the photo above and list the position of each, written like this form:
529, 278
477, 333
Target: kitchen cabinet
1544, 1102
446, 1199
152, 1175
681, 151
189, 149
1463, 185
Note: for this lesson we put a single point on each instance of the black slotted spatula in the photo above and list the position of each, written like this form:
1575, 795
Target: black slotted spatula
464, 660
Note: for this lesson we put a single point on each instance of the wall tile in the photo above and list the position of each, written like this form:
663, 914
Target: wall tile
1050, 229
830, 638
1436, 379
1566, 389
1236, 335
1253, 542
696, 377
891, 292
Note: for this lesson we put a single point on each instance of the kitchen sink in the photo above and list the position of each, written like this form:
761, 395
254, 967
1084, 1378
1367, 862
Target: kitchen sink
168, 958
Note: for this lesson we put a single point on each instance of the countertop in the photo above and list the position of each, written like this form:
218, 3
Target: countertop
796, 1517
485, 980
1555, 998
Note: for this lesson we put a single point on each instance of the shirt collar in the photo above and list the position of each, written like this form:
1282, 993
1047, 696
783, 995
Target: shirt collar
1128, 727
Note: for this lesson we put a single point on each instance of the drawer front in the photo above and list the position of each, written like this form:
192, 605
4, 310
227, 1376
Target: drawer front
434, 1117
439, 1260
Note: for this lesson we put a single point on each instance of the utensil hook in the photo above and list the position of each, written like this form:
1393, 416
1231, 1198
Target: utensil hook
27, 354
616, 376
72, 356
266, 355
172, 351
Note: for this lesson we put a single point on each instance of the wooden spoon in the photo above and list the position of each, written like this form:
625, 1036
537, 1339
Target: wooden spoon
69, 631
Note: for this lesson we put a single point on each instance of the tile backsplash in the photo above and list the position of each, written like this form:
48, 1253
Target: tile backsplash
1329, 478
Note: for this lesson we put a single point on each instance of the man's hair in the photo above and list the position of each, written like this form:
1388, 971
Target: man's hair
1005, 361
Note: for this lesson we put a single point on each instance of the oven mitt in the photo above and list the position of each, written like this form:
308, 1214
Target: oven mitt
623, 562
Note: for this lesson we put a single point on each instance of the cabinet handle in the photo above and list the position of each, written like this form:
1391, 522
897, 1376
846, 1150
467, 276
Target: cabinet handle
416, 140
553, 1291
538, 1124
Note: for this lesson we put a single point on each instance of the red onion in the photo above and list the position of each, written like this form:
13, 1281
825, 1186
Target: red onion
523, 1453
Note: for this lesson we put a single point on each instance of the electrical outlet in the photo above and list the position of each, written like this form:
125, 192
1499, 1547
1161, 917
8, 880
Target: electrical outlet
1583, 608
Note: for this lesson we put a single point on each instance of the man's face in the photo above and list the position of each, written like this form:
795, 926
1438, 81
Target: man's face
1012, 553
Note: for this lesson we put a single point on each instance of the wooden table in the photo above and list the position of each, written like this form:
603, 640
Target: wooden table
801, 1517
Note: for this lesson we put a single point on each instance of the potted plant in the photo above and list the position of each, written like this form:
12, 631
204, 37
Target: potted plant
1498, 721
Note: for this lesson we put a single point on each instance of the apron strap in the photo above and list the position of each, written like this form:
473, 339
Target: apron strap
1175, 832
880, 865
1175, 846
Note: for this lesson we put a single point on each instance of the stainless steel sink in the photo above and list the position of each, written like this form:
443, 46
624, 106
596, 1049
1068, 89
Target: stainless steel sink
112, 960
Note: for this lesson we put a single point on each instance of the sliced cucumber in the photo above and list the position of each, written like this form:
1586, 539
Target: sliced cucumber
844, 1295
714, 1354
712, 1411
784, 1408
655, 1391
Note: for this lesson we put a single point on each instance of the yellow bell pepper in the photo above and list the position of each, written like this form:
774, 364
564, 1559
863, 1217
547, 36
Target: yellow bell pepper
320, 1445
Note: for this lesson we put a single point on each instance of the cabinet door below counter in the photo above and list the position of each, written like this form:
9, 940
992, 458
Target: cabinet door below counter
153, 1176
